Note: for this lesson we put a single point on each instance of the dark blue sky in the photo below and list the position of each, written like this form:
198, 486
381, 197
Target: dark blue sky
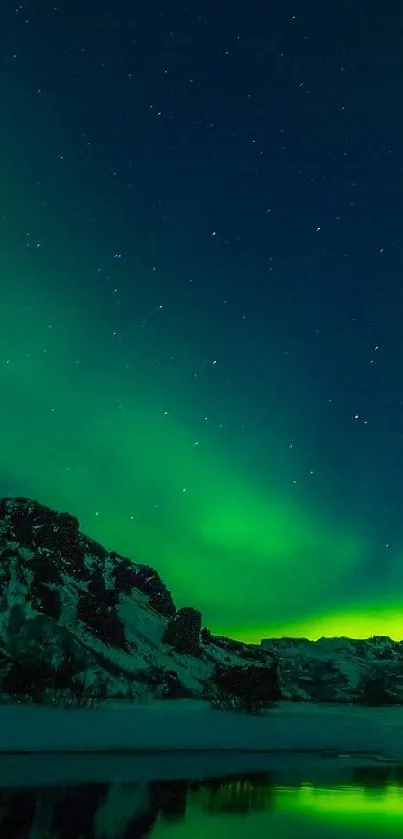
235, 171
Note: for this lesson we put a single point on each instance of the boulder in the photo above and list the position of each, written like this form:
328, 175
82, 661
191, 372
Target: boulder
183, 631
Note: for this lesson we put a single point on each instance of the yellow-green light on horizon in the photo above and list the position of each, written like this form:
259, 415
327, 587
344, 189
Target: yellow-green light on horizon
253, 560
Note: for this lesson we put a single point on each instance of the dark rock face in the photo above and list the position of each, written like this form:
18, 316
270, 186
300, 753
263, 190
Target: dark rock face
127, 577
36, 527
73, 615
381, 686
55, 578
41, 655
101, 619
51, 547
183, 631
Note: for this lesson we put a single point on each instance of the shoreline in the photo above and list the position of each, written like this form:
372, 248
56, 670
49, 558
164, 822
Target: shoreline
289, 770
191, 726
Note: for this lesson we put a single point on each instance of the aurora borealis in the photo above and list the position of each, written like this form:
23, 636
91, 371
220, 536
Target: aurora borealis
201, 298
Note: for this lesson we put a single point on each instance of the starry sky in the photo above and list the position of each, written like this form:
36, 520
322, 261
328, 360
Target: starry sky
201, 297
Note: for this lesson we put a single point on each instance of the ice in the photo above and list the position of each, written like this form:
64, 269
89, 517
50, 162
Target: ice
192, 726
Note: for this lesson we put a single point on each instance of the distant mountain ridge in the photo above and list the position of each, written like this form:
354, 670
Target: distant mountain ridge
76, 616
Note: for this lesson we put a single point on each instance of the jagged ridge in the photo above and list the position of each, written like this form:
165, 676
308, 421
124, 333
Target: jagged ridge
75, 615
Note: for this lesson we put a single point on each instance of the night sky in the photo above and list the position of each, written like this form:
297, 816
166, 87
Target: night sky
201, 340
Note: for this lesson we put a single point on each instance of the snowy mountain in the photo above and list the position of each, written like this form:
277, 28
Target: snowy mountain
74, 616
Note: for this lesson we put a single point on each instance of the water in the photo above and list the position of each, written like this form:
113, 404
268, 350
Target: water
356, 801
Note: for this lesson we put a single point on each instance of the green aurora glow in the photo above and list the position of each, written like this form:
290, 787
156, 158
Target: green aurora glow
255, 563
92, 424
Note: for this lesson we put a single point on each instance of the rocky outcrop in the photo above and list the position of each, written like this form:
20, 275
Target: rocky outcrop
339, 669
75, 617
128, 576
183, 631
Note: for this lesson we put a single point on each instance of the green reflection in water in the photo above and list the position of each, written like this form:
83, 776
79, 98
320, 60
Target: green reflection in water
379, 810
255, 809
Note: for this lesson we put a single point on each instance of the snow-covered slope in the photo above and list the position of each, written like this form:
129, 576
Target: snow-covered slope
75, 616
367, 671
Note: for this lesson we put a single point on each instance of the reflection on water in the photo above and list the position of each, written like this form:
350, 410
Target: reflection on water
369, 803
